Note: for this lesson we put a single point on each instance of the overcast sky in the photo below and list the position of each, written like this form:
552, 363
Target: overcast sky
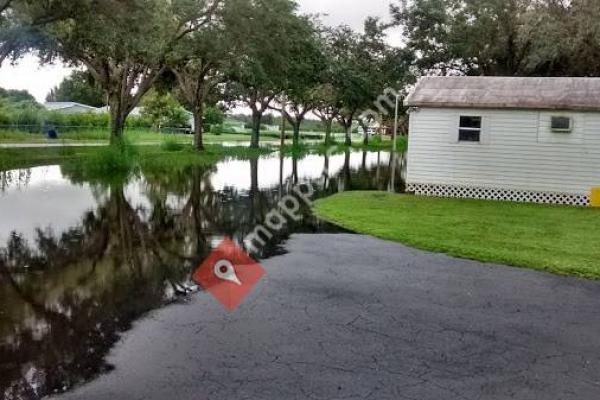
39, 80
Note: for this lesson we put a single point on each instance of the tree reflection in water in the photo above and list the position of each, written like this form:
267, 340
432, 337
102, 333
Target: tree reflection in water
66, 296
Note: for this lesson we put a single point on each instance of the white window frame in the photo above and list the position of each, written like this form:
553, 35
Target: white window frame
461, 128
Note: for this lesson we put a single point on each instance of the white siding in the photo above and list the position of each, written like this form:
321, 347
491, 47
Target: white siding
518, 150
75, 110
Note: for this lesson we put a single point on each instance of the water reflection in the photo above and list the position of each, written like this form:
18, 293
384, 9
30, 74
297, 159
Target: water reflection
80, 261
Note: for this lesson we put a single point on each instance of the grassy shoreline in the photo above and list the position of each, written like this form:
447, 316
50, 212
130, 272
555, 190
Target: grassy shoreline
108, 158
558, 239
177, 148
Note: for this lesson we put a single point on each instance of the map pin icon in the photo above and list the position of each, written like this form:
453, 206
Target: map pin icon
224, 270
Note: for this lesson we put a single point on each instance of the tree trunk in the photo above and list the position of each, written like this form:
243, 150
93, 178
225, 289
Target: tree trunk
117, 124
366, 136
328, 125
296, 126
117, 120
199, 128
256, 121
347, 173
349, 133
295, 179
326, 172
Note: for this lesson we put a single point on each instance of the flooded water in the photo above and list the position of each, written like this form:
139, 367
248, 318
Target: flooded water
80, 261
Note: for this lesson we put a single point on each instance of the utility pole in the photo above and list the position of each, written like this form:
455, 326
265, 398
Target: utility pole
396, 122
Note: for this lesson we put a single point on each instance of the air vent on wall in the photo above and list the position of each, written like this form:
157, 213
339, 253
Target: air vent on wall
562, 124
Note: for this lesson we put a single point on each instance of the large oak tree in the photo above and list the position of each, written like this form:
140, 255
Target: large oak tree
124, 45
503, 37
305, 73
202, 60
20, 21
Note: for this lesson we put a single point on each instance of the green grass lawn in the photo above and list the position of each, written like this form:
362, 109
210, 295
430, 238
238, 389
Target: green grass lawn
559, 239
143, 136
147, 136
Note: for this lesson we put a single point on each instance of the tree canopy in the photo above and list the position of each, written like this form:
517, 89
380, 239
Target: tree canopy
123, 44
503, 37
271, 56
262, 53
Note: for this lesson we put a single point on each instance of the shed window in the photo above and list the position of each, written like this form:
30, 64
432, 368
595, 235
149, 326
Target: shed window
469, 129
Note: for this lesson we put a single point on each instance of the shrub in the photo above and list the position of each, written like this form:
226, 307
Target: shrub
376, 140
116, 161
86, 120
232, 129
4, 118
214, 116
26, 116
216, 129
138, 122
171, 144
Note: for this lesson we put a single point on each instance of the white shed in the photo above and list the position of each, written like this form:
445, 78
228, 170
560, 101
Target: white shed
504, 138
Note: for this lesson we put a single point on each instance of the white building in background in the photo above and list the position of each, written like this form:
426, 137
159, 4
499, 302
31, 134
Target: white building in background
136, 112
78, 108
504, 138
69, 107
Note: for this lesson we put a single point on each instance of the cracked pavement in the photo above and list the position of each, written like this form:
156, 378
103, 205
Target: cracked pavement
353, 317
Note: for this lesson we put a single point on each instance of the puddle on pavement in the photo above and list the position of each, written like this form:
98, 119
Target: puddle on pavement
80, 261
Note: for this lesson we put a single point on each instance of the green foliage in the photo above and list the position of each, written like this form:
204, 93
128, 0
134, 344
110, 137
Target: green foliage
500, 37
138, 122
17, 96
87, 120
214, 116
124, 44
22, 21
4, 118
162, 110
19, 107
27, 158
553, 238
26, 115
79, 87
267, 58
361, 69
273, 58
216, 129
299, 150
115, 162
172, 144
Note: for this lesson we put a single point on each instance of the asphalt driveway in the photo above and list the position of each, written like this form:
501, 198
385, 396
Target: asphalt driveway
352, 317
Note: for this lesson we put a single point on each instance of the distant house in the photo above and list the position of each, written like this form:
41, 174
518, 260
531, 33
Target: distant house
136, 112
78, 108
68, 107
377, 128
503, 138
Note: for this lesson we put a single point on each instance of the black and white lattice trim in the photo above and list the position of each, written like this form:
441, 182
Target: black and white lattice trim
521, 196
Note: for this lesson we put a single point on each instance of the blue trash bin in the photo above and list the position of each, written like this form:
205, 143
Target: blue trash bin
51, 132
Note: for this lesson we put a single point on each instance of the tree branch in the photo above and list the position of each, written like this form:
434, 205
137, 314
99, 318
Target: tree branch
4, 5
